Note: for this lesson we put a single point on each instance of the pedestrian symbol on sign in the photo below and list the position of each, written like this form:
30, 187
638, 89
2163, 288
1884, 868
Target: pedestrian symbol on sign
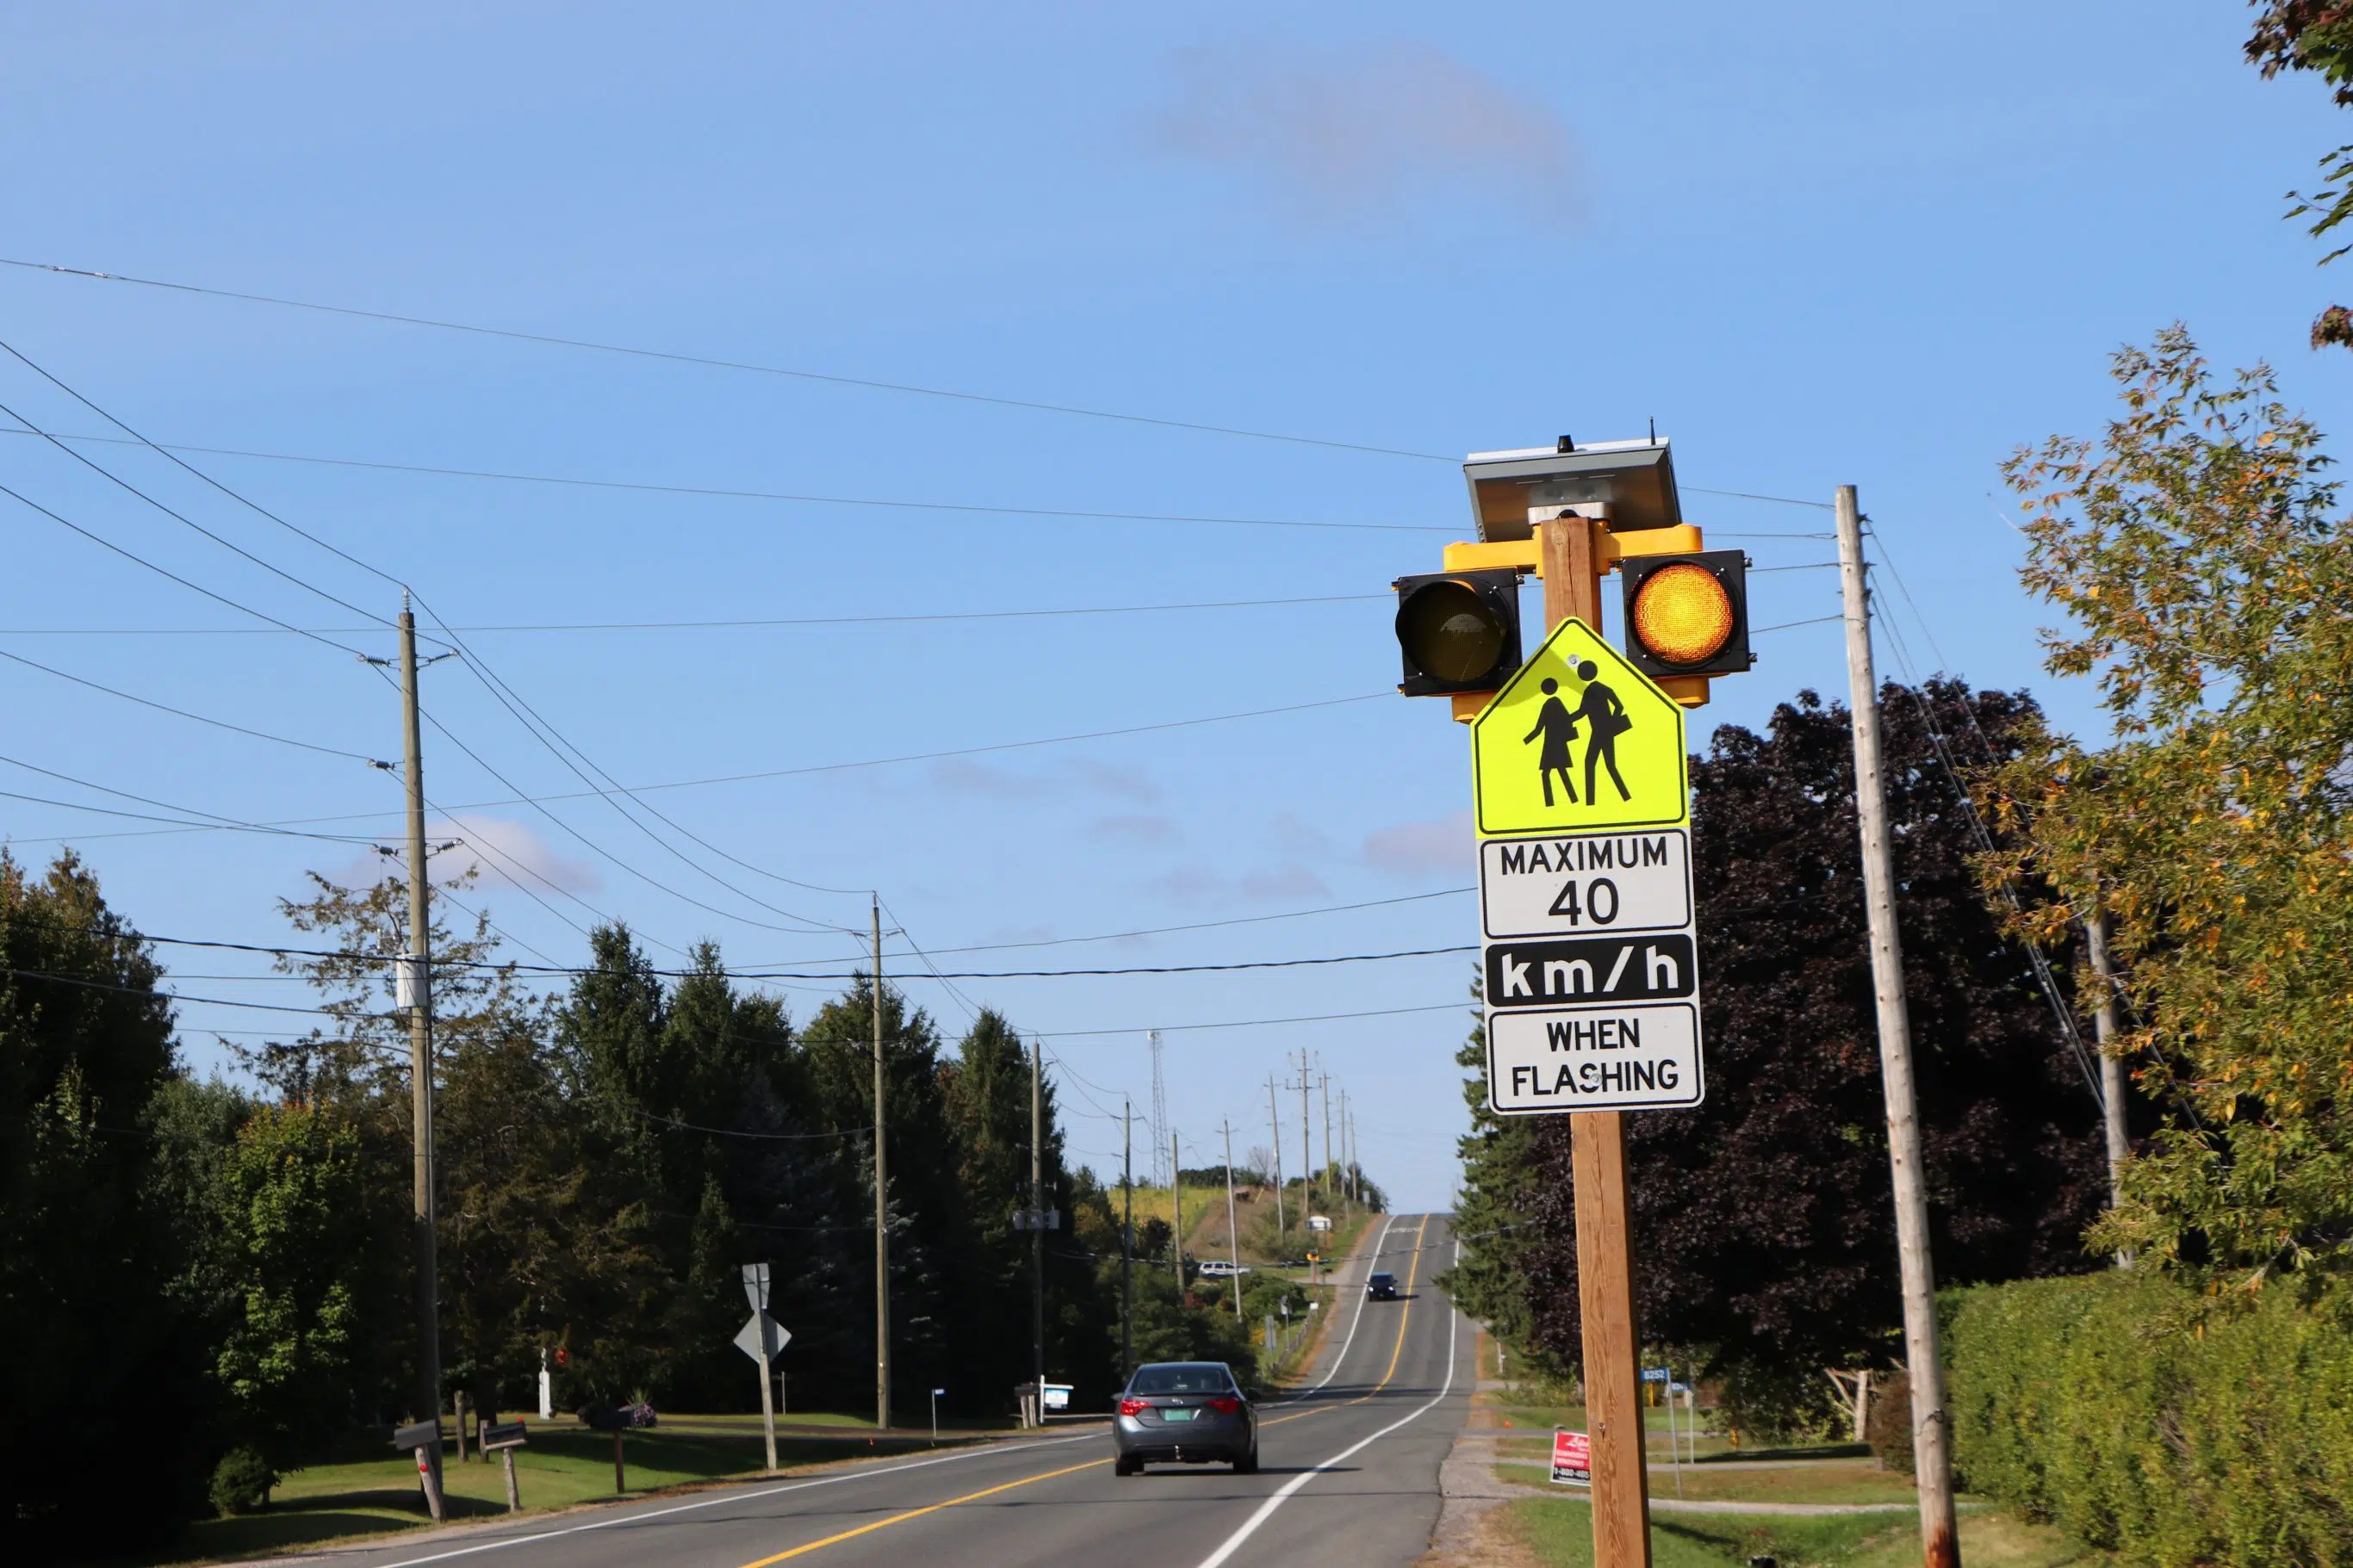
1547, 755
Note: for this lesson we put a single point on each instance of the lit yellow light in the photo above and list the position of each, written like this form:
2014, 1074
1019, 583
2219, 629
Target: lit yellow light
1683, 614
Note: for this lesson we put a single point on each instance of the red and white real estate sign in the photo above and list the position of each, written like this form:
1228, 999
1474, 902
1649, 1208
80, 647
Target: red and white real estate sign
1572, 1458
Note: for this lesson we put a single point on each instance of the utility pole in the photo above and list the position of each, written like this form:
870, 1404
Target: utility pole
1605, 1268
1355, 1171
2111, 1067
1234, 1233
1931, 1422
1037, 1220
1331, 1170
1347, 1171
1128, 1242
1177, 1199
1274, 1136
418, 965
1306, 1142
882, 1206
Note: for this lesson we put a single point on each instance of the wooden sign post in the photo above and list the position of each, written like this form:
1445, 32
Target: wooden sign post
1605, 1273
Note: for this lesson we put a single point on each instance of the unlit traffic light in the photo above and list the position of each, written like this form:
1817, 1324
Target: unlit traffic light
1458, 631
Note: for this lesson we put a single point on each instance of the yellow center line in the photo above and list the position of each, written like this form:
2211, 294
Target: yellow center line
1412, 1272
919, 1512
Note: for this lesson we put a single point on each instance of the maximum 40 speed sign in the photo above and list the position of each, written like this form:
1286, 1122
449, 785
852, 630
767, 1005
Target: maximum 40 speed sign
1584, 885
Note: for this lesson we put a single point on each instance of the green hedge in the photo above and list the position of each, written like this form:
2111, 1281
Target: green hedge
2097, 1403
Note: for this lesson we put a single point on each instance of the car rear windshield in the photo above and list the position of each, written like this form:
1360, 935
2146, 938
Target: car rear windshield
1182, 1377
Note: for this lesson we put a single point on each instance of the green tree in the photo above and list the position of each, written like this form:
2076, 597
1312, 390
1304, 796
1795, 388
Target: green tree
100, 1345
2207, 577
303, 1267
927, 1210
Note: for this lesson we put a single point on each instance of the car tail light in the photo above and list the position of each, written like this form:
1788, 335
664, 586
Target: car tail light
1226, 1405
1134, 1406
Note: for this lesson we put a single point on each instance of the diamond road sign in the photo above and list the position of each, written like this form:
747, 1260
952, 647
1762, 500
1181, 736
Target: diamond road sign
763, 1336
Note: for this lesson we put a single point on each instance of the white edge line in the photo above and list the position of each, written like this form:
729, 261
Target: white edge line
732, 1497
1386, 1220
1266, 1510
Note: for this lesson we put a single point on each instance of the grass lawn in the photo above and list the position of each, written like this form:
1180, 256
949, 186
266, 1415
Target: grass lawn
562, 1464
1560, 1531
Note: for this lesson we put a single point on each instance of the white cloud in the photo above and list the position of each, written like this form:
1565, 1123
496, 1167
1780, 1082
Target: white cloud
1371, 133
508, 854
1418, 848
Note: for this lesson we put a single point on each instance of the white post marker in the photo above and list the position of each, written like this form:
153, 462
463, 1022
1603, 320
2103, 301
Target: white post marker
935, 1413
764, 1339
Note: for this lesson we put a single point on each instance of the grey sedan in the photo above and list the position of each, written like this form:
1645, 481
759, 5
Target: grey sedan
1185, 1413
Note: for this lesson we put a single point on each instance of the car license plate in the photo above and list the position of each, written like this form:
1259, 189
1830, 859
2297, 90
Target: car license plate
1182, 1413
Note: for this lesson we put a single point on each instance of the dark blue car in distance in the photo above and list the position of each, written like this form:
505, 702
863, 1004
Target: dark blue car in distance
1184, 1413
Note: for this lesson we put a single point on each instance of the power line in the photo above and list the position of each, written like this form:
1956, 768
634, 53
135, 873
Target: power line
181, 824
564, 750
1157, 969
918, 620
199, 474
1249, 1023
183, 812
720, 492
540, 805
505, 695
1166, 930
137, 559
2069, 1033
230, 546
183, 713
518, 798
909, 389
672, 357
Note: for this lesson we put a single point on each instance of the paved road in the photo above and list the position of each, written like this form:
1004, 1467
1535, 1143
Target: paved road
1349, 1476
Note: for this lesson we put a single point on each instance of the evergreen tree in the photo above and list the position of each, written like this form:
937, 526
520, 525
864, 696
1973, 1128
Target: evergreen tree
102, 1349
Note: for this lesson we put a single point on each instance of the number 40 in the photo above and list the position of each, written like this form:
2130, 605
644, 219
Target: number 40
1599, 901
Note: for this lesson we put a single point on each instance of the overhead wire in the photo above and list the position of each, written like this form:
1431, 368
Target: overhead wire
473, 661
721, 493
105, 543
185, 713
563, 751
709, 361
2047, 982
918, 618
183, 812
869, 383
225, 542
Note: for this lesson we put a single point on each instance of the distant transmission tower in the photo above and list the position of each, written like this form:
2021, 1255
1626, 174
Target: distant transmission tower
1164, 1165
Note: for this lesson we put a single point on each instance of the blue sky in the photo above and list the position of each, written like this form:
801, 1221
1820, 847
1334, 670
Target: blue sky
1822, 245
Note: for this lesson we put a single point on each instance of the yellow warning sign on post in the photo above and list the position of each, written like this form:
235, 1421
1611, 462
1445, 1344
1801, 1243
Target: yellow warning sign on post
1578, 741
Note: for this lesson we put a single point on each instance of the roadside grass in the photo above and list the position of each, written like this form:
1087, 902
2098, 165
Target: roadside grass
560, 1467
1559, 1531
1835, 1481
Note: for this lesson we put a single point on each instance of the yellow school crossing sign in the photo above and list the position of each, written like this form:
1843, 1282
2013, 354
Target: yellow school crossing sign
1578, 741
